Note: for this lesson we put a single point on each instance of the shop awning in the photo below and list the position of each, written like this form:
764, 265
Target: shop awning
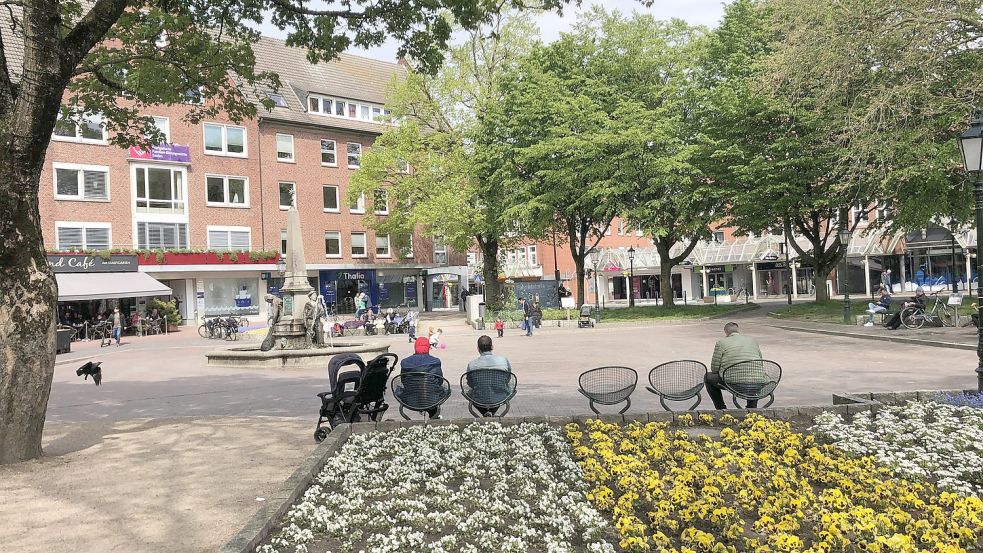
98, 286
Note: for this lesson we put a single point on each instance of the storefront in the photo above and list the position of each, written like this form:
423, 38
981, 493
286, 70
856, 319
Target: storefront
773, 278
443, 290
385, 288
228, 295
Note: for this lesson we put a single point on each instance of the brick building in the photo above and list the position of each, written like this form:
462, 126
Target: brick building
224, 186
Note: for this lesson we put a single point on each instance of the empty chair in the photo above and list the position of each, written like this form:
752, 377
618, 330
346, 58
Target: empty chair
487, 390
608, 386
678, 381
752, 381
420, 392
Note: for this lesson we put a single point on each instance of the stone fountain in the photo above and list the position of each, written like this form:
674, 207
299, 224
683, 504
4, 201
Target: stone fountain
286, 343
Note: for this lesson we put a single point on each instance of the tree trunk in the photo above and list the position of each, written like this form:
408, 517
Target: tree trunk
578, 261
27, 314
489, 272
819, 281
665, 284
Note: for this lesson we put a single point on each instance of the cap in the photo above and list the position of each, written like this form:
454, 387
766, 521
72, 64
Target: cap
422, 345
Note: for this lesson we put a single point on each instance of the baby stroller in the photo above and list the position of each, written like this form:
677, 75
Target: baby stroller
408, 325
585, 320
357, 390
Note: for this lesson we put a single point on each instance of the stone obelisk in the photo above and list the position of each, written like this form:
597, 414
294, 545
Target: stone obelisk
289, 330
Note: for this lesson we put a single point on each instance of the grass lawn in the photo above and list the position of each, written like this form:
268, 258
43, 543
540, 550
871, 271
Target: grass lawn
650, 312
832, 311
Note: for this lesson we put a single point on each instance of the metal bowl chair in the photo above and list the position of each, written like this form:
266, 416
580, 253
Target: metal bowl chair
678, 381
608, 386
419, 392
488, 389
752, 380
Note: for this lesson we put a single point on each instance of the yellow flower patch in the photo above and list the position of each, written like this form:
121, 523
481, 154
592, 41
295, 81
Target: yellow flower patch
761, 487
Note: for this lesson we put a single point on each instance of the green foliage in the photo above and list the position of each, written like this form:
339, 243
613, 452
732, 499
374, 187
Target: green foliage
822, 312
168, 309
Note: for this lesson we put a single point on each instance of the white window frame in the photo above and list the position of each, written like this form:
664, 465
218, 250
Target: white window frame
389, 247
225, 185
337, 198
331, 255
365, 244
225, 140
272, 96
883, 210
359, 205
386, 203
80, 197
409, 255
292, 158
153, 217
161, 220
293, 186
78, 134
213, 228
334, 146
283, 242
442, 251
723, 237
84, 226
533, 256
166, 129
856, 211
349, 154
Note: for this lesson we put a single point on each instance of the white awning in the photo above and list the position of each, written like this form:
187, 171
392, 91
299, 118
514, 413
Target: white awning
98, 286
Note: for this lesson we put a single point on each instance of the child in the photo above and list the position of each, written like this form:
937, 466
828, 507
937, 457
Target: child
500, 327
411, 326
435, 338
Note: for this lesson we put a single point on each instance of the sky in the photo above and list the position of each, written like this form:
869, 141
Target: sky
696, 12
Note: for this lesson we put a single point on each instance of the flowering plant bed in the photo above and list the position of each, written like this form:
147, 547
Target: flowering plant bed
757, 485
478, 488
921, 440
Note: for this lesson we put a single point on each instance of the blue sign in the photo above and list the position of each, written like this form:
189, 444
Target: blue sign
328, 283
330, 291
410, 291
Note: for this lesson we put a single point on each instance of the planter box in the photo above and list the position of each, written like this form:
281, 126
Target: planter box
201, 258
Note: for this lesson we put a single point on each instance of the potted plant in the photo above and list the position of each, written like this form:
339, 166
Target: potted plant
169, 310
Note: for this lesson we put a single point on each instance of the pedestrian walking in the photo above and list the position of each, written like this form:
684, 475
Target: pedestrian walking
526, 315
500, 327
117, 325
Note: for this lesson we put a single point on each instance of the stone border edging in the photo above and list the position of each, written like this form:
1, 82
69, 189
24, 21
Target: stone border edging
895, 339
549, 324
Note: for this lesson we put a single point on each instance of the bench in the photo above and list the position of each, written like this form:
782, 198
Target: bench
879, 318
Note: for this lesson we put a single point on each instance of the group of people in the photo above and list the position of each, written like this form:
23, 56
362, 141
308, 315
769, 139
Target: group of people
883, 305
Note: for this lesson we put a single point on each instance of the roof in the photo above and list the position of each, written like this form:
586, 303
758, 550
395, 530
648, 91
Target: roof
348, 77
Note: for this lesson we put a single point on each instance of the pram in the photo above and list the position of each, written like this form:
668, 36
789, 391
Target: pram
586, 319
357, 390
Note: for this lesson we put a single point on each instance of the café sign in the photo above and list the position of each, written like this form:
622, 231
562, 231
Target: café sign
92, 263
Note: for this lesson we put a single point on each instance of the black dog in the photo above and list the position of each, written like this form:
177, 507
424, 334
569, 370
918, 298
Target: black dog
91, 369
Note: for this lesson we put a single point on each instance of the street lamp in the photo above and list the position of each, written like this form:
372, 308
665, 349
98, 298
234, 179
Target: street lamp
631, 276
788, 271
971, 147
845, 235
281, 269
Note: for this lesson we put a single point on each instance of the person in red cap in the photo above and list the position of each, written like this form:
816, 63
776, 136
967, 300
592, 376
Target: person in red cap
422, 362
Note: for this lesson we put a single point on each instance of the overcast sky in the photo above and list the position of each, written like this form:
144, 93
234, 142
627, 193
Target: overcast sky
697, 12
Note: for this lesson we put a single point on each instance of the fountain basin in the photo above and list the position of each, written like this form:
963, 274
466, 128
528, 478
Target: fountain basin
250, 357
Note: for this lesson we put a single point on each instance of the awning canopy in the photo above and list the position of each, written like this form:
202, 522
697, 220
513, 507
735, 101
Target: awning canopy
99, 286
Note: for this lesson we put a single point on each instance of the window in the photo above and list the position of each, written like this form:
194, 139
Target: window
283, 243
288, 196
718, 237
376, 114
83, 236
160, 190
358, 244
406, 248
354, 155
162, 235
358, 206
533, 258
607, 231
402, 166
284, 147
332, 243
221, 190
329, 153
858, 213
621, 228
194, 96
339, 108
278, 100
224, 140
380, 203
229, 238
639, 233
81, 182
163, 124
364, 112
330, 193
318, 104
883, 211
382, 246
90, 129
439, 251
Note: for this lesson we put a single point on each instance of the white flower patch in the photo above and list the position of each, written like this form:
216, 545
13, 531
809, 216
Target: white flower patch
447, 489
919, 440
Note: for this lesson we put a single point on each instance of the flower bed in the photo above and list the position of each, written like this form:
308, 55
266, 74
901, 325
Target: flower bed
483, 487
923, 440
759, 486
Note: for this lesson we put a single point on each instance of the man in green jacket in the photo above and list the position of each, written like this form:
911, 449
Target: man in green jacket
734, 348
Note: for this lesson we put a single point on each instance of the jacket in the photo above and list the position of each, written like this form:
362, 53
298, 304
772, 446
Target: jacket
734, 349
885, 301
421, 363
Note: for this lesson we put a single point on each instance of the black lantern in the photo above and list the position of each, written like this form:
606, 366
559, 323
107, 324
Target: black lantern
631, 276
971, 148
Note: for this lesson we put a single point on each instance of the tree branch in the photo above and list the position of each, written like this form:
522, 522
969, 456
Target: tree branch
88, 32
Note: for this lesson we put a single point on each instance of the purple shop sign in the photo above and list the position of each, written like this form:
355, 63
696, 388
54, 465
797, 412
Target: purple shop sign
163, 152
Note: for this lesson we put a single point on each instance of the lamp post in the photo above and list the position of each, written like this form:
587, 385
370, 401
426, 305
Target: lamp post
788, 271
631, 276
844, 281
281, 271
971, 147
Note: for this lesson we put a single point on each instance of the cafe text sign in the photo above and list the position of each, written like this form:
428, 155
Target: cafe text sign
92, 263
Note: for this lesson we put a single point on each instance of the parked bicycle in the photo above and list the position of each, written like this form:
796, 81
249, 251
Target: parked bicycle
213, 327
915, 317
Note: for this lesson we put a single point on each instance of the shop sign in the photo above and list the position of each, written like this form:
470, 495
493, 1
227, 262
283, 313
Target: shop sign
771, 265
264, 276
409, 291
718, 269
352, 275
92, 264
162, 152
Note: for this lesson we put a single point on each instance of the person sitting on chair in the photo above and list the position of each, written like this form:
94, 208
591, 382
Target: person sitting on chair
422, 362
733, 348
488, 360
882, 306
920, 300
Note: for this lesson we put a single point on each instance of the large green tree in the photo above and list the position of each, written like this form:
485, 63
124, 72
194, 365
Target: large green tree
116, 57
446, 189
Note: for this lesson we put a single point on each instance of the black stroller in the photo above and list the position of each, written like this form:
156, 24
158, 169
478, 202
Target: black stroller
586, 318
357, 390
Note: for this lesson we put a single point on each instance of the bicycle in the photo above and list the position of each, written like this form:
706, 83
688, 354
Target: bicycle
230, 327
212, 328
914, 317
737, 295
240, 321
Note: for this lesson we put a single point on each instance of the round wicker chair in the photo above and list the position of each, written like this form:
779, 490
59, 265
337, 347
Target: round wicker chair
488, 389
608, 386
678, 381
419, 392
752, 381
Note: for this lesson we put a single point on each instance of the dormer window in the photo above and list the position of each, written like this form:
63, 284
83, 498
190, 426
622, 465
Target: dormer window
345, 108
278, 100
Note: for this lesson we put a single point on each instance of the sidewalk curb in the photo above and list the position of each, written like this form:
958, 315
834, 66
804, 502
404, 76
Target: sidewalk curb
894, 339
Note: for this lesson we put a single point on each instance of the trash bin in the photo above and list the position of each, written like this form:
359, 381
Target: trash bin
63, 341
481, 310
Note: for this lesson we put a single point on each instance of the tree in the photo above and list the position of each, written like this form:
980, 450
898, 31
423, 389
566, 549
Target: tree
448, 191
116, 58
